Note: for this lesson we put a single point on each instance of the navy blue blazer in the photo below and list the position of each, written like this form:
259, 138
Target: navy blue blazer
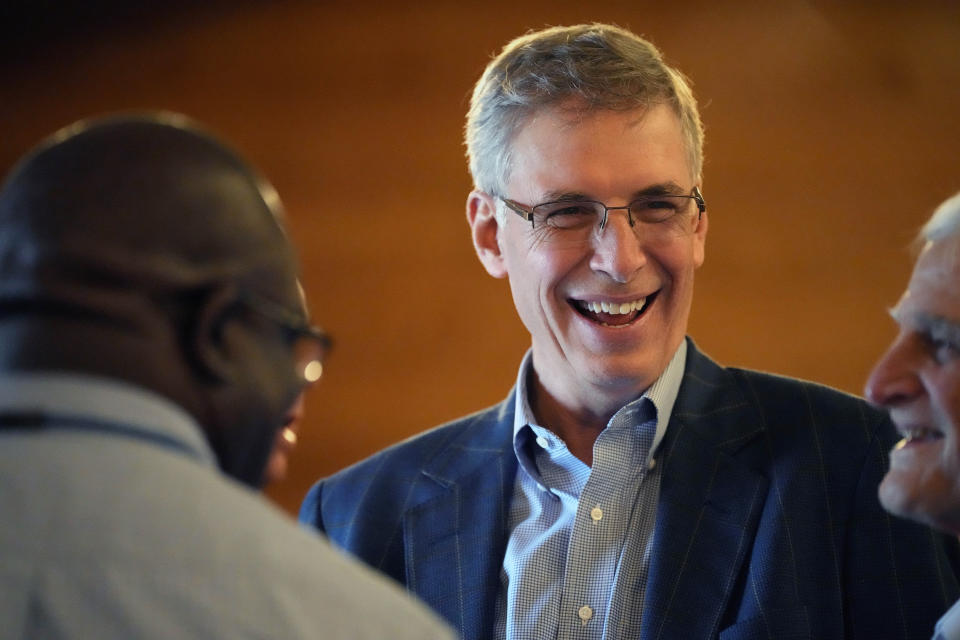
768, 524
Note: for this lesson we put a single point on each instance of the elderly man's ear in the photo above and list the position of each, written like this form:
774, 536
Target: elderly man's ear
486, 232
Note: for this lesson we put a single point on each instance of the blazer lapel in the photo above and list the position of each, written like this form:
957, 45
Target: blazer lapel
455, 540
709, 505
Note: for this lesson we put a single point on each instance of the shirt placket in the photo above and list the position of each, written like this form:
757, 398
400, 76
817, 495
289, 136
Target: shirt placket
597, 538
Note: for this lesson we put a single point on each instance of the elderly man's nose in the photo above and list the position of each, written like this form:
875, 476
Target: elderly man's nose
893, 379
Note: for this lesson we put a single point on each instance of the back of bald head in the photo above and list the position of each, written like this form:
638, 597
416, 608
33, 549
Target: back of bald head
146, 200
127, 245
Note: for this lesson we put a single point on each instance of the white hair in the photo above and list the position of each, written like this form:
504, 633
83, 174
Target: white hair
944, 222
601, 65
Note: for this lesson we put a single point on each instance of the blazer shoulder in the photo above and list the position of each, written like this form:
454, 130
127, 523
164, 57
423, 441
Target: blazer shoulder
362, 508
708, 384
390, 475
812, 401
412, 454
780, 388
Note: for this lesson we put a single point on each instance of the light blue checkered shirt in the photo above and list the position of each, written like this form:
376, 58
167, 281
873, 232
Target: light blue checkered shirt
580, 537
948, 626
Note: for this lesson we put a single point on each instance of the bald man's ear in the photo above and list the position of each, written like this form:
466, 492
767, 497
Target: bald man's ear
209, 335
485, 231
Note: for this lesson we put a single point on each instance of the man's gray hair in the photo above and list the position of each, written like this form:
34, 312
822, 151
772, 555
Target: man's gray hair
944, 222
600, 65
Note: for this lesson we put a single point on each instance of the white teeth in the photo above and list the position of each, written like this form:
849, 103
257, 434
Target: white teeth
917, 434
615, 308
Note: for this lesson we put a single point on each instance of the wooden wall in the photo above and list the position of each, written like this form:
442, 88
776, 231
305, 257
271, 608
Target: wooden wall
832, 132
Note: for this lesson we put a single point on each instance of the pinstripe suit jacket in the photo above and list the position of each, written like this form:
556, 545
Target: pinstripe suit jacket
768, 525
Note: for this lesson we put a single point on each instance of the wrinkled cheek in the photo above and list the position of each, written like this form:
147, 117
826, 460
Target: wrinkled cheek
902, 492
927, 494
950, 413
536, 287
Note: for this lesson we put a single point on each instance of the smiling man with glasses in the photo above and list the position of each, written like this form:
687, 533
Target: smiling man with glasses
628, 486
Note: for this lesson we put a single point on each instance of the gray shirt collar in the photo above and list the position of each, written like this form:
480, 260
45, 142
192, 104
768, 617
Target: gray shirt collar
119, 406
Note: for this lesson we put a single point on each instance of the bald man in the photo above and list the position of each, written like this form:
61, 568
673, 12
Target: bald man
152, 341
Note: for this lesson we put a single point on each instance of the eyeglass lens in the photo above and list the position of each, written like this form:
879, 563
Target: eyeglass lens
308, 353
576, 221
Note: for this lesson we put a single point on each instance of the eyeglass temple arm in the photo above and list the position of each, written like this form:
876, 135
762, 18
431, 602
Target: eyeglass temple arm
519, 210
698, 198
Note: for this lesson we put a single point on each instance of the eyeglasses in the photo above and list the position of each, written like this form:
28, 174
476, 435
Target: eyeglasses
575, 219
310, 343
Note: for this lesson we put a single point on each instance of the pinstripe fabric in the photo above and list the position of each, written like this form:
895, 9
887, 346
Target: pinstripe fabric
580, 537
767, 523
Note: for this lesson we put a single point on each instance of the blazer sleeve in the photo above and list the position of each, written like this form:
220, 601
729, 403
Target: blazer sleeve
310, 512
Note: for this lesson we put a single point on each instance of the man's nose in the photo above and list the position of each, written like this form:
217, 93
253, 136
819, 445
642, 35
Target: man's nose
894, 378
617, 248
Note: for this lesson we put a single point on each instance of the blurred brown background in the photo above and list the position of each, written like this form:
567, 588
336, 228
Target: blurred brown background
832, 131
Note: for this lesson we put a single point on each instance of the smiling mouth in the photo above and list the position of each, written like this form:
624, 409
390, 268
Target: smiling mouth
918, 436
614, 314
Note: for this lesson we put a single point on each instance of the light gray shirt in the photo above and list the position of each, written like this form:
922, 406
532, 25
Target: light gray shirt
116, 523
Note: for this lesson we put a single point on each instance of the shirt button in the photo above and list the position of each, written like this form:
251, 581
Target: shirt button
652, 463
596, 513
585, 613
542, 442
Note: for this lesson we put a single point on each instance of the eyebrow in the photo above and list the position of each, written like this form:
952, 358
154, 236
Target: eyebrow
670, 188
936, 326
660, 189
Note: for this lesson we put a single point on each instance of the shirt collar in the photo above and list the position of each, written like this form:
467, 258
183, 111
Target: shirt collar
123, 406
948, 626
662, 394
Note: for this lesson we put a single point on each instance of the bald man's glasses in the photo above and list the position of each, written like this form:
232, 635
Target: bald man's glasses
310, 343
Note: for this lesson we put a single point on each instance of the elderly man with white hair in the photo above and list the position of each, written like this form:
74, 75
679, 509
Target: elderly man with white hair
918, 380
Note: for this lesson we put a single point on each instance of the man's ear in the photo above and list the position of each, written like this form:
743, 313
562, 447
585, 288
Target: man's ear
700, 239
209, 334
485, 231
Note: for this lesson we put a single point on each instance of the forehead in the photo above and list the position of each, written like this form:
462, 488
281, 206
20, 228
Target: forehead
934, 286
570, 147
276, 278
